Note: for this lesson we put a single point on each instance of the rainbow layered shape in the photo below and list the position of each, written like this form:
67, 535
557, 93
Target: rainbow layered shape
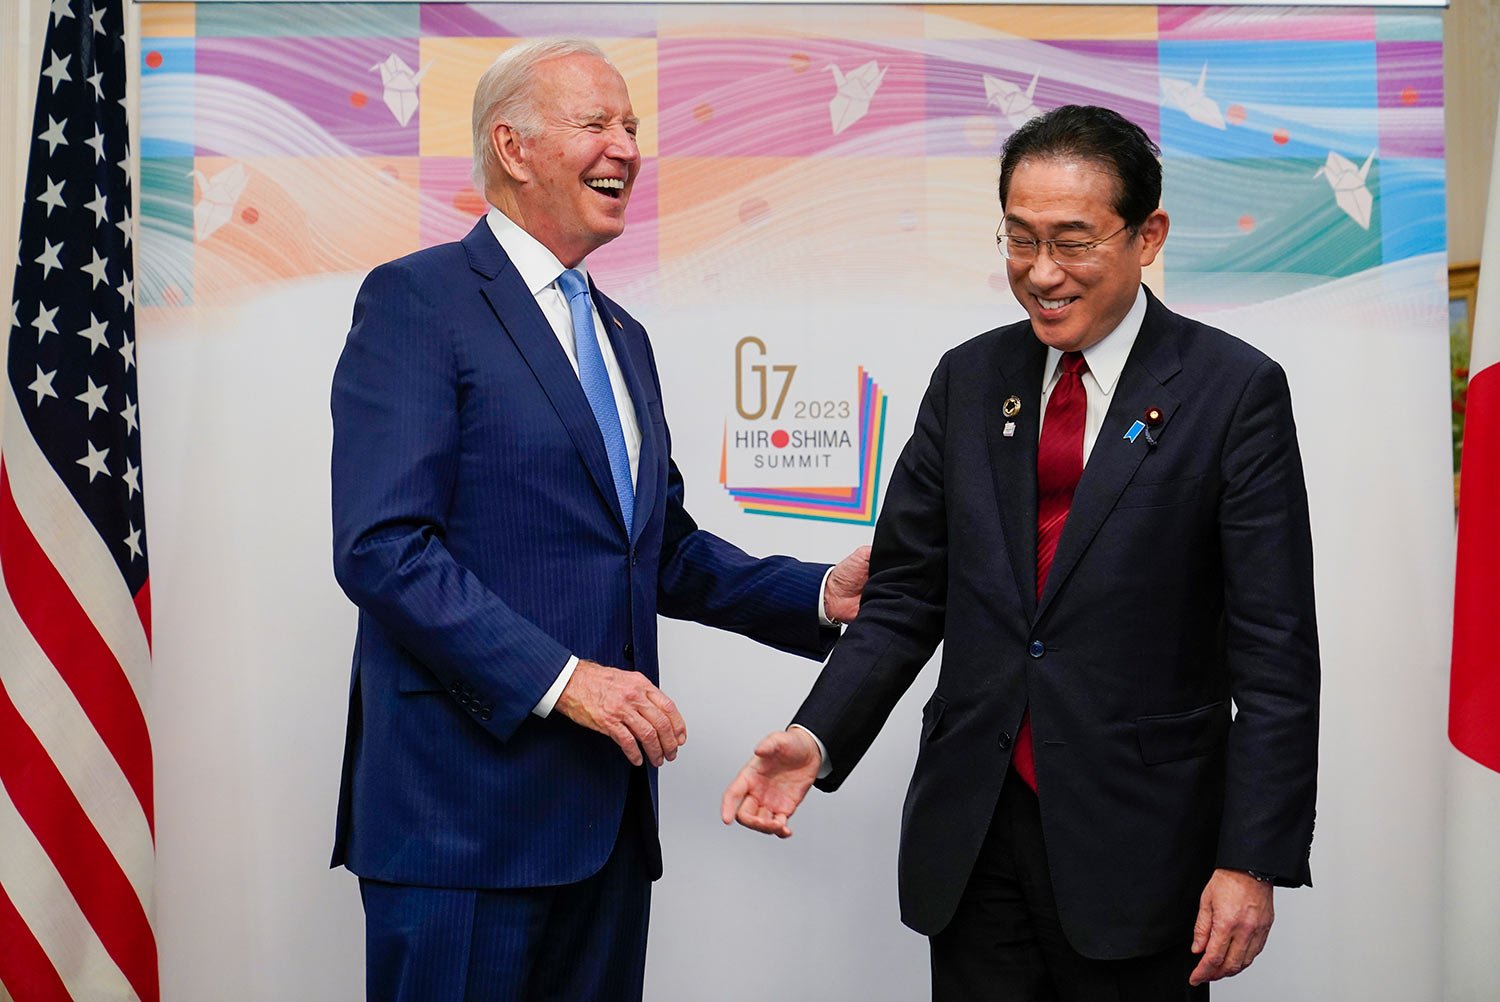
854, 505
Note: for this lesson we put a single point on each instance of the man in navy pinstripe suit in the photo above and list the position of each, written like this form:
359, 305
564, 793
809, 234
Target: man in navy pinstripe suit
509, 541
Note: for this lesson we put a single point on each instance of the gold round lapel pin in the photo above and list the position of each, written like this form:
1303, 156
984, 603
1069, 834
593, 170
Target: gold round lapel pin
1011, 407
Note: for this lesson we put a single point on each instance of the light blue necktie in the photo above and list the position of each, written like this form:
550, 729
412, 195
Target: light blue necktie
595, 380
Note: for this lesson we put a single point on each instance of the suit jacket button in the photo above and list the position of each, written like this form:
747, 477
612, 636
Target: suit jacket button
629, 652
1037, 649
1004, 741
484, 713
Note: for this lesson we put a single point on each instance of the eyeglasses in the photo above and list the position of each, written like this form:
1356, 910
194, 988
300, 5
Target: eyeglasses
1023, 250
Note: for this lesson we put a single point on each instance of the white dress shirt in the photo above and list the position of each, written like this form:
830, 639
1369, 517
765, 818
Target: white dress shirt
1106, 359
539, 269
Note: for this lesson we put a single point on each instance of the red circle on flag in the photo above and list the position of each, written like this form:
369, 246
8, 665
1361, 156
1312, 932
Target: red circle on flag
1281, 137
153, 59
1408, 96
1247, 223
359, 99
1235, 115
780, 438
250, 214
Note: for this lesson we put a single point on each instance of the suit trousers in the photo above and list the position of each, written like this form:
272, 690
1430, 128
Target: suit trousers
1006, 942
573, 942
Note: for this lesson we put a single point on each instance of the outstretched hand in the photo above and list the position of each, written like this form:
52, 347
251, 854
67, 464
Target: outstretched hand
771, 785
841, 594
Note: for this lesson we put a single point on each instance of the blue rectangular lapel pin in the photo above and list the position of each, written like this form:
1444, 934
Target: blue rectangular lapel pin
1135, 430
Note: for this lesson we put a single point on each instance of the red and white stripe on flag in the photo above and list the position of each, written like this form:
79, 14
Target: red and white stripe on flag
76, 815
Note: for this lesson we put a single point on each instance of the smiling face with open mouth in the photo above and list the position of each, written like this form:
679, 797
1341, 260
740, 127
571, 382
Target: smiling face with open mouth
580, 168
1076, 305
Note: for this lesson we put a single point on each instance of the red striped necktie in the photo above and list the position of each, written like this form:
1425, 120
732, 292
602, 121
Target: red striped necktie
1059, 466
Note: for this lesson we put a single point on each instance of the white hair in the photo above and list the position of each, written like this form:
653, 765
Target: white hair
505, 93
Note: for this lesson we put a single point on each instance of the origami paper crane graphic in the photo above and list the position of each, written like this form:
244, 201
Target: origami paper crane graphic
856, 88
1014, 103
400, 86
216, 205
1190, 99
1348, 184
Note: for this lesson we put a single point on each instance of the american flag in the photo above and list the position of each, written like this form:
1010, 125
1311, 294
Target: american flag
76, 822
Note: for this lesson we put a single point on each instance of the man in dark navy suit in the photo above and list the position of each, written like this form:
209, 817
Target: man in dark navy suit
1088, 818
509, 521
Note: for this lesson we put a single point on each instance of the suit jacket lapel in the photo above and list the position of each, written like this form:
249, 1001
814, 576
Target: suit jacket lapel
523, 320
1154, 360
624, 343
1013, 458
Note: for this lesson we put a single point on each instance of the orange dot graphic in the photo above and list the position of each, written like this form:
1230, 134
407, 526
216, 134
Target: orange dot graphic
1408, 96
1281, 137
153, 59
250, 214
1235, 115
754, 210
800, 62
468, 202
359, 99
1247, 223
780, 438
703, 112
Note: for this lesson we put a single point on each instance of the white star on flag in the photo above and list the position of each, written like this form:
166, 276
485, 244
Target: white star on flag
54, 137
99, 205
42, 385
128, 413
61, 9
48, 258
132, 477
133, 541
94, 397
94, 462
124, 290
58, 71
127, 352
96, 268
44, 323
124, 225
97, 82
52, 197
97, 143
95, 333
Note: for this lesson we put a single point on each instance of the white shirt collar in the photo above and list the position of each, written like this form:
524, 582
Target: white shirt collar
1106, 357
538, 266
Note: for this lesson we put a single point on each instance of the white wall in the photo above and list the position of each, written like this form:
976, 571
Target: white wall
252, 650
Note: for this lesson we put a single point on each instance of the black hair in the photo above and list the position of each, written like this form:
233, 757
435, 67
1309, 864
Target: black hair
1105, 137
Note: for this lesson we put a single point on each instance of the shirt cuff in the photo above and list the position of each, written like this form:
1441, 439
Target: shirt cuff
823, 618
825, 766
549, 698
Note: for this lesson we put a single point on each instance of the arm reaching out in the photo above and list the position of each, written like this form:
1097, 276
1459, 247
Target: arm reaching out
771, 785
